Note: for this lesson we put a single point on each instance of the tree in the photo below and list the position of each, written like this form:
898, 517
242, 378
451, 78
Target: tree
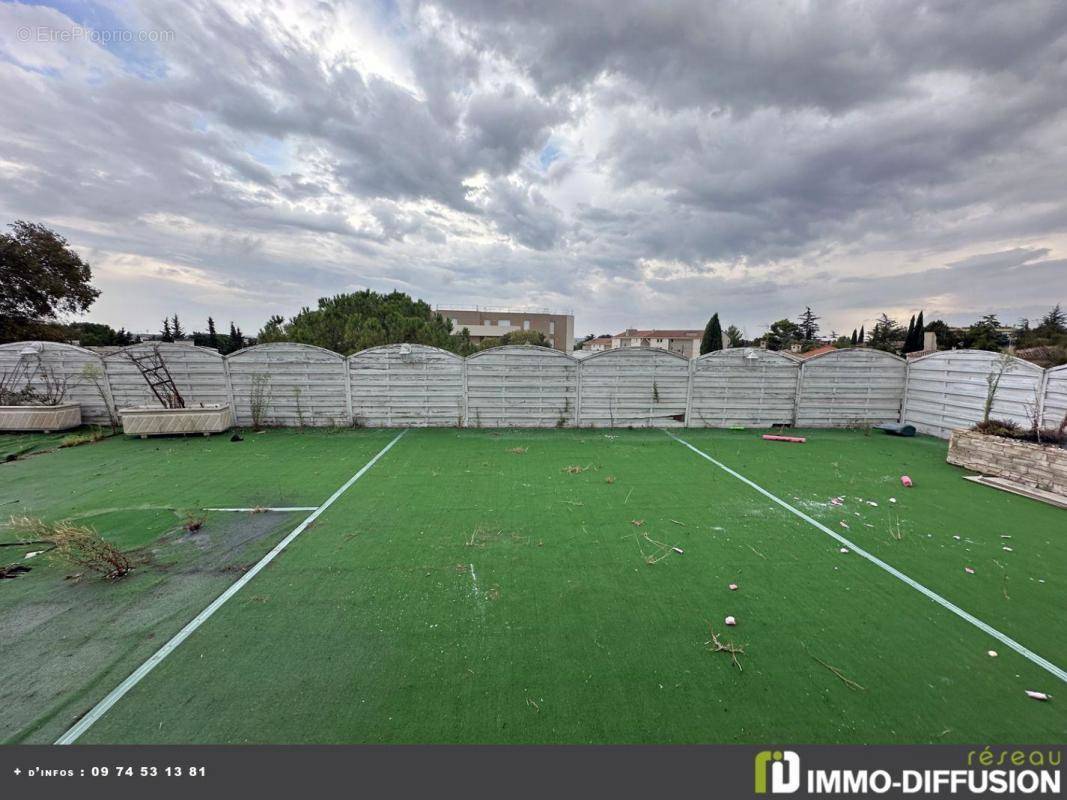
735, 335
1055, 321
909, 337
176, 329
237, 339
886, 334
348, 323
212, 334
809, 325
920, 339
712, 335
166, 335
985, 335
844, 342
782, 334
862, 338
853, 339
42, 277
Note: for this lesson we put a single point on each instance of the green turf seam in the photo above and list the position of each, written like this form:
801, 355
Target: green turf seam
116, 694
982, 626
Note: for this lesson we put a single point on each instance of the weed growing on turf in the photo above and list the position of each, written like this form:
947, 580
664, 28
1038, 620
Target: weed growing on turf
193, 522
716, 645
577, 469
77, 544
94, 375
481, 537
518, 450
609, 479
76, 439
259, 397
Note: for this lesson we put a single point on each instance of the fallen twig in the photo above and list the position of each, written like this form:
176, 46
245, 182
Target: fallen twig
715, 645
851, 684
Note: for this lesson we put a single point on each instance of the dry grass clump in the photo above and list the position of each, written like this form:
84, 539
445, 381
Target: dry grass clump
77, 544
518, 450
77, 439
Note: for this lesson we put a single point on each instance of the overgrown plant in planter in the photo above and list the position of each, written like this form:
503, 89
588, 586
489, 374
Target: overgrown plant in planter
31, 397
172, 416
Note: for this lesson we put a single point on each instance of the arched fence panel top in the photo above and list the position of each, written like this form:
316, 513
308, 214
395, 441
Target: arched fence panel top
1055, 402
522, 386
745, 386
416, 351
198, 373
523, 351
649, 354
80, 371
633, 387
407, 386
284, 350
851, 387
283, 383
744, 356
952, 388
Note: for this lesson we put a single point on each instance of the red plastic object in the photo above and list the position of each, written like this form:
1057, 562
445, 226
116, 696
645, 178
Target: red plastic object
797, 439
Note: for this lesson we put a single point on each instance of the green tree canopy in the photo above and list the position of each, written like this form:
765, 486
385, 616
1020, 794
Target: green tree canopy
984, 335
348, 323
42, 277
887, 334
712, 339
782, 334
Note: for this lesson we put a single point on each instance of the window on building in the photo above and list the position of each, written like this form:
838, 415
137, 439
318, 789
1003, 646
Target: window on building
526, 324
552, 327
504, 323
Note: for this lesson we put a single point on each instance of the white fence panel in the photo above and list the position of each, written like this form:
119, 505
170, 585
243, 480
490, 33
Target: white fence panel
743, 386
1055, 397
83, 371
294, 384
948, 390
852, 386
198, 372
521, 386
402, 385
633, 387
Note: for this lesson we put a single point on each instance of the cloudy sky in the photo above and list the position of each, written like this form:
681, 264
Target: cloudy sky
640, 162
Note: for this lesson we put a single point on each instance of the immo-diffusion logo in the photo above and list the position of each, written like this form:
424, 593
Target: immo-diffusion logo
784, 768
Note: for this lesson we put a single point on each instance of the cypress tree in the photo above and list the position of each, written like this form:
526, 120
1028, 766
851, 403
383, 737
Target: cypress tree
909, 338
212, 335
920, 331
712, 335
853, 337
861, 339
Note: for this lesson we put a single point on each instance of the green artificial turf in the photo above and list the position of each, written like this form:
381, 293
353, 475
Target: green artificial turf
471, 589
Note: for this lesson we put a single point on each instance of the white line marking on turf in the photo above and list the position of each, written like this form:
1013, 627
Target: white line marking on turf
258, 509
959, 612
135, 677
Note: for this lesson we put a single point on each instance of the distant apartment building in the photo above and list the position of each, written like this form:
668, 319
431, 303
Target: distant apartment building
485, 322
683, 342
597, 344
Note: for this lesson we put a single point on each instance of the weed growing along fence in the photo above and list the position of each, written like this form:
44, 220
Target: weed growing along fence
409, 385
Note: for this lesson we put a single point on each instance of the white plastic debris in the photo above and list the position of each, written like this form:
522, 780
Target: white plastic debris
957, 538
1038, 695
1007, 549
678, 550
730, 621
844, 524
872, 503
837, 501
968, 570
34, 553
843, 550
892, 499
733, 587
992, 653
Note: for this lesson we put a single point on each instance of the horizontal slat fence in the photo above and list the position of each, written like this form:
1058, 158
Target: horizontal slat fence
523, 386
639, 387
743, 386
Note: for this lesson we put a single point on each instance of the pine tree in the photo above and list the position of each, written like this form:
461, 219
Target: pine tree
166, 336
176, 328
854, 337
809, 325
236, 339
861, 339
712, 335
212, 336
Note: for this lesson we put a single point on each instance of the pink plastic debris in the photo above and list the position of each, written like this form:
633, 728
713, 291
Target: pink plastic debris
733, 587
904, 479
1038, 695
837, 501
730, 621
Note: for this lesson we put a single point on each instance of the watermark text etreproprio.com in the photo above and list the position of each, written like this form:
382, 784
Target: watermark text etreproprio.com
77, 33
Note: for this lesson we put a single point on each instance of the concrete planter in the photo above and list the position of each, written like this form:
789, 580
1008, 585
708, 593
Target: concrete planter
146, 421
1042, 466
40, 418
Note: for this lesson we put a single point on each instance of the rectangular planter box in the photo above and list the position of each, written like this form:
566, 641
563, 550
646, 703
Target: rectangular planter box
40, 418
157, 421
1043, 466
